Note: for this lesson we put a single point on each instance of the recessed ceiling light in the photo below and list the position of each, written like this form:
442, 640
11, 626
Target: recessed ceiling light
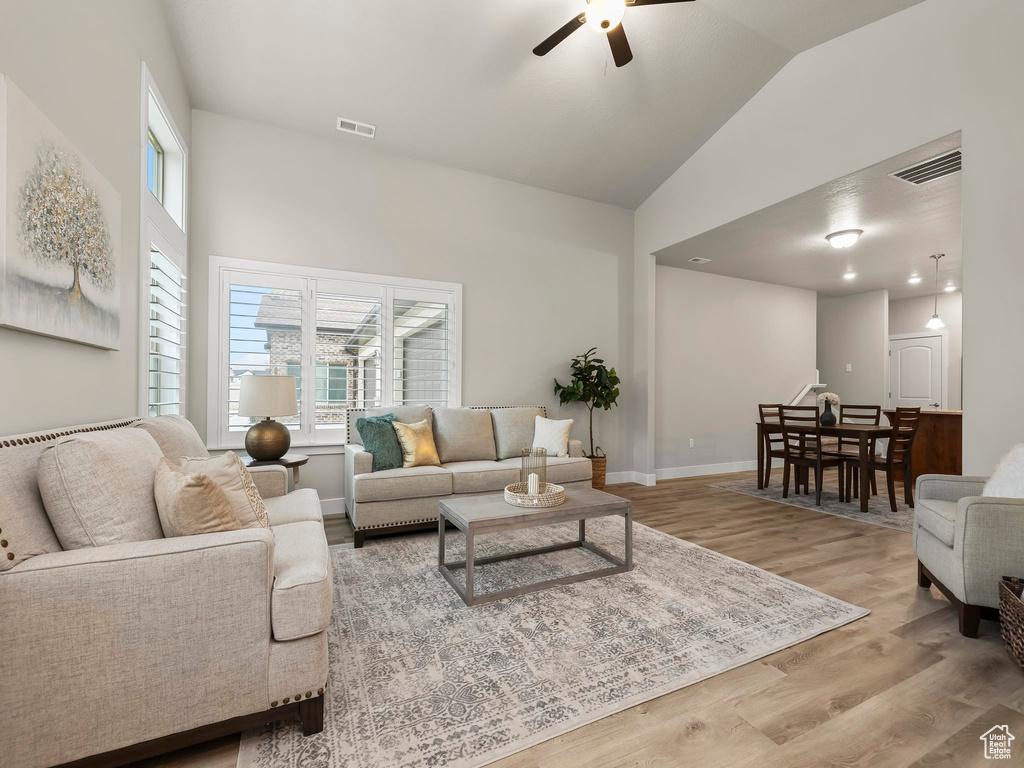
845, 238
849, 276
949, 288
914, 279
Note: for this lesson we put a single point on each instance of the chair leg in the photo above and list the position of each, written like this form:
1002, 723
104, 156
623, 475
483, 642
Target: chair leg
874, 484
785, 480
311, 715
908, 485
849, 482
922, 580
839, 471
856, 482
818, 471
767, 467
970, 619
891, 482
360, 537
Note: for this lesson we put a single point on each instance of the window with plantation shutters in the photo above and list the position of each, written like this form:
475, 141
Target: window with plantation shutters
166, 337
352, 341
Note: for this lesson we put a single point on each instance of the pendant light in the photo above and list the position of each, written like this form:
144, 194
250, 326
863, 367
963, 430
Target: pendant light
935, 323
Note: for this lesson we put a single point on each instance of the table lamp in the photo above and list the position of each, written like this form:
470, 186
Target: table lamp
264, 397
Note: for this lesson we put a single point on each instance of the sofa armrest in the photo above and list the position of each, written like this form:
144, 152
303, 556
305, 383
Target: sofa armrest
576, 448
989, 541
270, 480
130, 642
358, 461
949, 487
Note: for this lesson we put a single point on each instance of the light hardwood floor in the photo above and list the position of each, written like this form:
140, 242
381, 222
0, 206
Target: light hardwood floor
900, 687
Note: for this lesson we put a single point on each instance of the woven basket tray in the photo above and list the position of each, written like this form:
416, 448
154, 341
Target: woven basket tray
551, 496
1011, 618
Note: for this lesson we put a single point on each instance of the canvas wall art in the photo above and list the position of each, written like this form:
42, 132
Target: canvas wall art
60, 232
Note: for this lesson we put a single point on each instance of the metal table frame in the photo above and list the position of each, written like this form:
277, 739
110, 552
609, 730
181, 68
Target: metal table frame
521, 518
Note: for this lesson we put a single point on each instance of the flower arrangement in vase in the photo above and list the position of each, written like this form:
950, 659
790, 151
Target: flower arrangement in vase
828, 417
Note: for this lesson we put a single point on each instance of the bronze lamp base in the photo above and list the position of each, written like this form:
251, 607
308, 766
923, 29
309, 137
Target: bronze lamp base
267, 440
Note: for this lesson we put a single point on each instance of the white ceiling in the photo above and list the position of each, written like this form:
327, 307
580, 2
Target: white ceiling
455, 82
903, 225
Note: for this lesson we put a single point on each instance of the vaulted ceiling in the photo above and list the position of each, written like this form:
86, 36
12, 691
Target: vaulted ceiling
455, 82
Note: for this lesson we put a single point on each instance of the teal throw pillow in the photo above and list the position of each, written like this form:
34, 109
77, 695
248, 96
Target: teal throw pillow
379, 438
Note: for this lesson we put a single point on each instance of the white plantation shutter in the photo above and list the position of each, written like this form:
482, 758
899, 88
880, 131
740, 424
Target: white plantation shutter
166, 337
264, 337
347, 354
421, 332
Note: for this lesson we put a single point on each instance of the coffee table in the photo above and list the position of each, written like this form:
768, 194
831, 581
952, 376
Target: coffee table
488, 513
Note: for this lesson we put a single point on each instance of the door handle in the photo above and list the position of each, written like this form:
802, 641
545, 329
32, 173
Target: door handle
935, 405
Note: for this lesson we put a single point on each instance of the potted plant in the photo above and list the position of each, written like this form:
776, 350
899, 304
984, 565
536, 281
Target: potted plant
596, 386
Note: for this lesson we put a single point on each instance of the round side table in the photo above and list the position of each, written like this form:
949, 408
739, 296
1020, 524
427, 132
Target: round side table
290, 461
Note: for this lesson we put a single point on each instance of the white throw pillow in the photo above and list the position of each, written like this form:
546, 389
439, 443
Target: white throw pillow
552, 435
1008, 480
228, 471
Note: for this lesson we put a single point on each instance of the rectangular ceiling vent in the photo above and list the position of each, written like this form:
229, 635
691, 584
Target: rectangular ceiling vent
354, 126
699, 260
930, 170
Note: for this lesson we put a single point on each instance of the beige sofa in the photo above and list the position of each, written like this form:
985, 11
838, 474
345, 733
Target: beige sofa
480, 451
134, 649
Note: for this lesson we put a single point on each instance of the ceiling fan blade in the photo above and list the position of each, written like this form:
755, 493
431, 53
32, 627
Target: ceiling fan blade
562, 33
654, 2
620, 46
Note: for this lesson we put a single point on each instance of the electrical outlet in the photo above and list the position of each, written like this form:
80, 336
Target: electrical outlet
849, 367
691, 442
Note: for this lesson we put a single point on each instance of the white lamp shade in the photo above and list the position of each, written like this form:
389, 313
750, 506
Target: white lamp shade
267, 396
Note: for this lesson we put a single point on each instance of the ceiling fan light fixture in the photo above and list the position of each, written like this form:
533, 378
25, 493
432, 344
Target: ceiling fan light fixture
844, 238
605, 15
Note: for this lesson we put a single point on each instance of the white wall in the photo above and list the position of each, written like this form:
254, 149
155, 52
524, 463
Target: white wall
865, 97
545, 276
853, 330
722, 346
911, 315
80, 63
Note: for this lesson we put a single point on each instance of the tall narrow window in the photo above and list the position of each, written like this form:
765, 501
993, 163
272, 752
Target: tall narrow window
155, 167
166, 336
421, 354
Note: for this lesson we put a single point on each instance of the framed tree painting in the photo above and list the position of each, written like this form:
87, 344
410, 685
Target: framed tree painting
60, 232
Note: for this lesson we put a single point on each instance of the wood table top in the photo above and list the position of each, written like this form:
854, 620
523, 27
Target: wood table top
492, 510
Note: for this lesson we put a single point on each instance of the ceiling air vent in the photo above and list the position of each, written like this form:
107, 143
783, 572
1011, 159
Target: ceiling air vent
354, 126
930, 170
699, 260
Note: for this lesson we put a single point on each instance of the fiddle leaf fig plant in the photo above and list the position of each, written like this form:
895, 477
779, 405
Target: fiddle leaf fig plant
592, 384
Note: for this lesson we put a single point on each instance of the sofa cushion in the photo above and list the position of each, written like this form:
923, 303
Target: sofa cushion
552, 435
176, 437
190, 504
937, 517
513, 430
300, 603
98, 488
299, 506
379, 439
562, 469
406, 414
479, 476
464, 434
417, 441
409, 483
25, 530
234, 479
1008, 479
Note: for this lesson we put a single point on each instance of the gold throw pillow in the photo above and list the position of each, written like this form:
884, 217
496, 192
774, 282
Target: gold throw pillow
190, 504
417, 441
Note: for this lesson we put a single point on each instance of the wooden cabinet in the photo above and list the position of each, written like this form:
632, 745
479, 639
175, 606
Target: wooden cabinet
939, 443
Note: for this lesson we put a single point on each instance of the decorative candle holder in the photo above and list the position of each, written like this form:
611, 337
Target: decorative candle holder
534, 473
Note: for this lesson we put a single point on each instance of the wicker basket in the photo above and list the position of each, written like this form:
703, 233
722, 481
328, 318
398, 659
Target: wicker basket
598, 467
1011, 618
552, 496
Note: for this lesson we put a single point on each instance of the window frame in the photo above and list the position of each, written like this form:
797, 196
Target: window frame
158, 166
225, 271
159, 228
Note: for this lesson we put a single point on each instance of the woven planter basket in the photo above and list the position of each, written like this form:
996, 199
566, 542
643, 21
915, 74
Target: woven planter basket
1011, 618
599, 466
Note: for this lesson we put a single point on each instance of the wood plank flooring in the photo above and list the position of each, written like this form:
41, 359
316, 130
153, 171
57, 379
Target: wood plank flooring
900, 687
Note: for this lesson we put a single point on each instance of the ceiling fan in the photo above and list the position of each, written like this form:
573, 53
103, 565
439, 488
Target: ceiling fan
603, 16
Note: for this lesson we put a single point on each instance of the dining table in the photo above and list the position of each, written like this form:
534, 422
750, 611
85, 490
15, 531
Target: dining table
863, 434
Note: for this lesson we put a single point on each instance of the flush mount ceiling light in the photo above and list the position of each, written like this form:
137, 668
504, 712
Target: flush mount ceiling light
849, 276
914, 279
935, 323
845, 238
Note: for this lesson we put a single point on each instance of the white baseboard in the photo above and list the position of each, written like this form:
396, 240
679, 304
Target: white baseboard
332, 507
672, 473
639, 478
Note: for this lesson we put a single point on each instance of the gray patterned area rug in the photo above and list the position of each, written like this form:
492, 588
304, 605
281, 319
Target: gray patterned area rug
419, 680
879, 511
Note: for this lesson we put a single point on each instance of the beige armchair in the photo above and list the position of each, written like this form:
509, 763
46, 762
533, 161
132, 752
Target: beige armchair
965, 543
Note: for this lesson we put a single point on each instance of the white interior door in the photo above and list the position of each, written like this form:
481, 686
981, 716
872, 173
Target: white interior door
916, 371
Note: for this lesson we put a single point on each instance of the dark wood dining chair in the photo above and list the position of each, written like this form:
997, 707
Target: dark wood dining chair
801, 443
847, 446
772, 442
897, 457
